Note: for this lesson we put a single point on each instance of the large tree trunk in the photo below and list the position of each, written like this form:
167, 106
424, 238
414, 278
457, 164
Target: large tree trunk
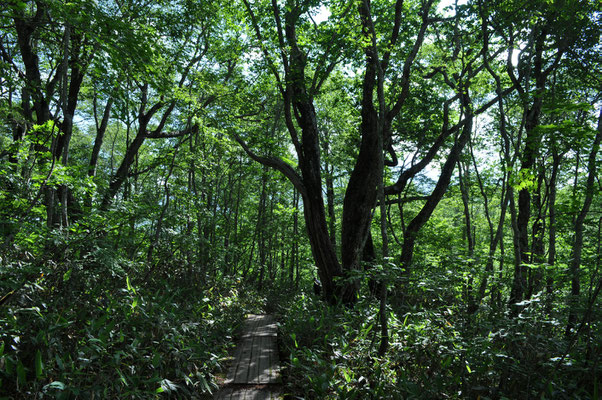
360, 196
524, 214
528, 157
26, 39
324, 253
322, 250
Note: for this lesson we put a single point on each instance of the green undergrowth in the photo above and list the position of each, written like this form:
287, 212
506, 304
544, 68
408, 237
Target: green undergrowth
79, 332
436, 351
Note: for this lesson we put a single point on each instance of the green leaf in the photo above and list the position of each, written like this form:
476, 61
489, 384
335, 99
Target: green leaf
54, 385
346, 376
8, 367
156, 360
129, 286
19, 5
168, 386
39, 365
30, 310
468, 369
205, 384
59, 362
121, 377
21, 374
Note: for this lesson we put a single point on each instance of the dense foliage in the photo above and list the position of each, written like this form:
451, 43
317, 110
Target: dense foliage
168, 166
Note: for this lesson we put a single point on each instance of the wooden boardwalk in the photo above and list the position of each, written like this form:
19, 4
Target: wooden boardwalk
255, 362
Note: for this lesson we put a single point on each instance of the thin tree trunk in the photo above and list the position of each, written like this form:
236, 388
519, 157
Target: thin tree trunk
331, 213
578, 229
552, 223
494, 236
236, 259
537, 239
384, 284
227, 211
100, 134
329, 180
463, 178
159, 228
294, 238
260, 226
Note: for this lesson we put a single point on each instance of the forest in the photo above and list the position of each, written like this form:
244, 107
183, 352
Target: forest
412, 187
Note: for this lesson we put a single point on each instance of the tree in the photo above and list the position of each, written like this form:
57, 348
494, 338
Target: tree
298, 90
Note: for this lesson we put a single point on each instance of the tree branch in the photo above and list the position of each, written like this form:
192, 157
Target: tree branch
268, 59
405, 78
164, 135
275, 163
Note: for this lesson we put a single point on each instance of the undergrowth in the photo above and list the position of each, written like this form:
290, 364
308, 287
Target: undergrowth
81, 330
436, 351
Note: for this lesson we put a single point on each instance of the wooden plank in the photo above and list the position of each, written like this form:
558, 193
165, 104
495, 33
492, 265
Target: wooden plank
262, 395
247, 394
264, 363
258, 361
260, 325
242, 365
224, 394
267, 330
235, 362
274, 365
238, 355
274, 362
238, 395
253, 322
255, 360
249, 323
256, 394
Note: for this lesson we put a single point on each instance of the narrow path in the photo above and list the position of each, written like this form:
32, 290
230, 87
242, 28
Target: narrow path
255, 368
